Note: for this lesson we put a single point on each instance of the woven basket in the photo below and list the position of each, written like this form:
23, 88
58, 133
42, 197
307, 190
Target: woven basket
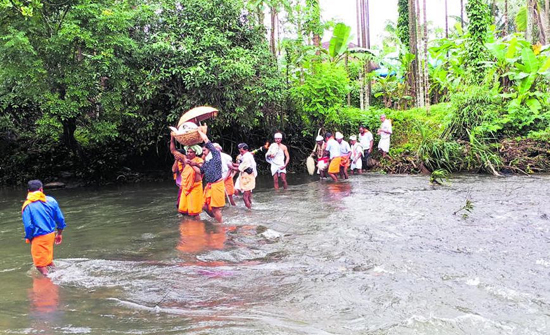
191, 137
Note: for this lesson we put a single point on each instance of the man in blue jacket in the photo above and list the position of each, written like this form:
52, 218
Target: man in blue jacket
41, 216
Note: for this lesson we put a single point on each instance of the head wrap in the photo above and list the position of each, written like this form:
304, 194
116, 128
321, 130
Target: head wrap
353, 138
197, 149
339, 135
278, 135
243, 146
319, 138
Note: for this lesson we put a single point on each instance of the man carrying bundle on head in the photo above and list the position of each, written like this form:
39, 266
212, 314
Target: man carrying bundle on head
214, 189
41, 216
277, 155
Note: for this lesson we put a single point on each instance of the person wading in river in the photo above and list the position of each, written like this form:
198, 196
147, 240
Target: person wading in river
333, 148
366, 141
214, 190
345, 153
277, 155
190, 197
41, 216
247, 176
227, 174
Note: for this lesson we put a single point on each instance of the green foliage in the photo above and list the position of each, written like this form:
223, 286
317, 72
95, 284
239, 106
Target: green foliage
339, 41
403, 23
470, 109
322, 94
479, 15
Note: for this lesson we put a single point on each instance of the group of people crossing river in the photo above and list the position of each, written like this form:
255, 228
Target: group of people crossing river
204, 176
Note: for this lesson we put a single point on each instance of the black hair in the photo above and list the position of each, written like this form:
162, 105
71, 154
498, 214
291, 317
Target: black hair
243, 146
328, 134
181, 151
34, 185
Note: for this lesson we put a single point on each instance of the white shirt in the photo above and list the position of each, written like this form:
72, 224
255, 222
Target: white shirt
386, 126
344, 148
365, 140
333, 148
226, 160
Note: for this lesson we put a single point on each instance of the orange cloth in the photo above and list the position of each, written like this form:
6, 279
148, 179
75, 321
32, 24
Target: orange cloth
42, 249
334, 166
32, 197
344, 161
229, 186
191, 196
214, 194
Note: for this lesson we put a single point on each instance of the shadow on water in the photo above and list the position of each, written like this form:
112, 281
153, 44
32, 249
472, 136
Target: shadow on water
370, 255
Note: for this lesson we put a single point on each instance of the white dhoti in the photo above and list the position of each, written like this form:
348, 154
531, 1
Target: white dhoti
278, 159
384, 144
357, 165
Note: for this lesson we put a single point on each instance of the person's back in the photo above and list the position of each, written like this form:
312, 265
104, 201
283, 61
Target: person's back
333, 148
41, 216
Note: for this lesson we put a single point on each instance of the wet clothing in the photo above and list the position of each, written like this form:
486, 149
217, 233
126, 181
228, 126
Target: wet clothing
41, 215
356, 156
278, 161
42, 249
333, 148
212, 168
334, 166
190, 200
214, 194
247, 181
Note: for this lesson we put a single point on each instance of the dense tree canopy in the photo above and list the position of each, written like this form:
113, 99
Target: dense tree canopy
88, 88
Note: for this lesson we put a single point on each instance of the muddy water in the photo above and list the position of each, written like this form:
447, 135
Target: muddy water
373, 255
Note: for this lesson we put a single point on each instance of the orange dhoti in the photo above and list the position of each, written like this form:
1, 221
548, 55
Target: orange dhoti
190, 199
334, 166
344, 161
191, 203
229, 186
214, 194
42, 250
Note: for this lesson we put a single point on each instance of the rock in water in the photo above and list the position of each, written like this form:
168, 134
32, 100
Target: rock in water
271, 235
55, 184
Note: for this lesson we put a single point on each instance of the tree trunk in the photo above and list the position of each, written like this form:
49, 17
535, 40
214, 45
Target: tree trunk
462, 14
272, 32
420, 75
367, 19
506, 17
446, 19
358, 15
547, 18
425, 67
413, 70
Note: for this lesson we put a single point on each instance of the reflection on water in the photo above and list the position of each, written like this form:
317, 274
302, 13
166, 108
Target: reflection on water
44, 303
370, 255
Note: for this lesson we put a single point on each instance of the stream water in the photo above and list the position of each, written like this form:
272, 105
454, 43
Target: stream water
376, 254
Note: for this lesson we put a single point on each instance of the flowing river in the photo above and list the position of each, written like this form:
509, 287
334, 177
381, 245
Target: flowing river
377, 254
